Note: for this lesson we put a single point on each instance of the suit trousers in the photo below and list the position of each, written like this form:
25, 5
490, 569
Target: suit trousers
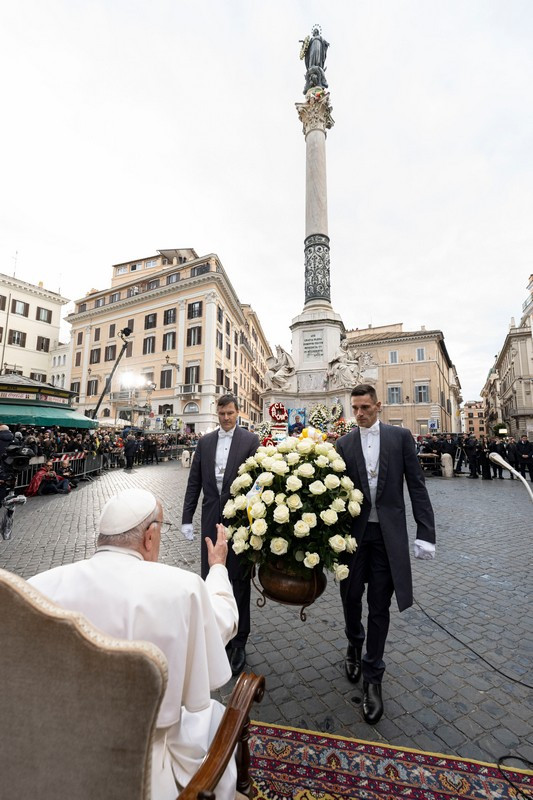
370, 566
239, 573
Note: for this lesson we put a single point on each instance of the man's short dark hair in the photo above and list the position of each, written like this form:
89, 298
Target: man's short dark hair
226, 399
365, 388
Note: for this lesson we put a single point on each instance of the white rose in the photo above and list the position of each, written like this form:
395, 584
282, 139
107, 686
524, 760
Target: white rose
279, 546
351, 544
267, 497
259, 527
331, 481
239, 546
267, 462
332, 454
306, 470
346, 483
281, 514
338, 465
317, 487
323, 448
270, 450
260, 456
305, 446
278, 456
341, 571
311, 560
280, 467
292, 459
329, 517
294, 502
354, 508
357, 496
256, 542
293, 483
301, 529
258, 510
280, 498
230, 530
338, 505
322, 461
241, 533
249, 464
265, 478
337, 543
309, 518
229, 510
240, 502
244, 481
287, 445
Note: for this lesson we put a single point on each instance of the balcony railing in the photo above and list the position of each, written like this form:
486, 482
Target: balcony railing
189, 388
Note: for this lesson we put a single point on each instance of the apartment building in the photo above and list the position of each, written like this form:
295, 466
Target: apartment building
473, 419
29, 328
185, 339
417, 382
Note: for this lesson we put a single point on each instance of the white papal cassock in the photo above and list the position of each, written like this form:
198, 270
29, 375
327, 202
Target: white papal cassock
190, 620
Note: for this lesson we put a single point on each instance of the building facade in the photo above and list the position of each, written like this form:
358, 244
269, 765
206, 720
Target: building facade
417, 382
185, 340
29, 328
473, 419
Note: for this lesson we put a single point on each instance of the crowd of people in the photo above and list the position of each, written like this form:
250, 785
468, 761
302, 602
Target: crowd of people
474, 454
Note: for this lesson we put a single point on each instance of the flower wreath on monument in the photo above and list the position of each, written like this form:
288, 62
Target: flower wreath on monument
319, 416
290, 515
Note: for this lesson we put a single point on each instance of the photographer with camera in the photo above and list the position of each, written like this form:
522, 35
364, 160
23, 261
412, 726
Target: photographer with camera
46, 481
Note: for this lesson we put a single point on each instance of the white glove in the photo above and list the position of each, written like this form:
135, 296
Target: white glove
188, 531
424, 549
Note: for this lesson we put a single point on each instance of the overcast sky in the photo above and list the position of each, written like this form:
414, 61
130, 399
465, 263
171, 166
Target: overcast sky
130, 127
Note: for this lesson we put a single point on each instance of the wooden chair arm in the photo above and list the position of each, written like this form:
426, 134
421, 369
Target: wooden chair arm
232, 732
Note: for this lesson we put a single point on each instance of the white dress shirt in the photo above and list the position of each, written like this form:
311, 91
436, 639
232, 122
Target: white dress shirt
370, 445
225, 439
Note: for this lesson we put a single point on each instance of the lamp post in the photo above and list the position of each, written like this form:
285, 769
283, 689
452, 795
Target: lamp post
124, 334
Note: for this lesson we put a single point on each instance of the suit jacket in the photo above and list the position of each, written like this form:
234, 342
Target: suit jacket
397, 460
202, 477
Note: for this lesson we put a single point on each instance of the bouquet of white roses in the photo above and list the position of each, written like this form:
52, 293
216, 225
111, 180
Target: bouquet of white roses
292, 506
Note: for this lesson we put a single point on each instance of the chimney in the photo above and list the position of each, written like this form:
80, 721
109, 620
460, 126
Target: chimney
512, 325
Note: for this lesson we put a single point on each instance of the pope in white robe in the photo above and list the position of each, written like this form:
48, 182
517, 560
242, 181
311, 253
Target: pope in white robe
124, 592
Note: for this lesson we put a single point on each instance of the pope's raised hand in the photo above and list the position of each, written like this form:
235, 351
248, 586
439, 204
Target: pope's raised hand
217, 552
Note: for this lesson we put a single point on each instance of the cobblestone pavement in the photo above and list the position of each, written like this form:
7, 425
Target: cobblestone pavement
459, 676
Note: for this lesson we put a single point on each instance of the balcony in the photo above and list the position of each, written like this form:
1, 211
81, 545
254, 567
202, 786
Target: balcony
189, 388
123, 396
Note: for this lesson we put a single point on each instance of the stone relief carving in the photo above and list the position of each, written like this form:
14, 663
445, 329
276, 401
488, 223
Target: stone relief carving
281, 368
344, 369
317, 282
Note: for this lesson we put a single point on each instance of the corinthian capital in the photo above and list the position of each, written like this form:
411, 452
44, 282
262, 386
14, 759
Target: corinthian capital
315, 113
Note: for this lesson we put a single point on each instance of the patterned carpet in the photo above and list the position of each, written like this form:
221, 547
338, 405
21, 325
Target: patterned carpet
292, 764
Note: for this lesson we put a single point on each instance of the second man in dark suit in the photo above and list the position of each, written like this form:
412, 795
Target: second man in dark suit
216, 461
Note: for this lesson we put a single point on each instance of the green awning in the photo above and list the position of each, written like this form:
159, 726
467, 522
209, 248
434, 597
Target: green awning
27, 414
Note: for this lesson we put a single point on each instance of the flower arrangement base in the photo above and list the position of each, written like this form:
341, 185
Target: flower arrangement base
288, 588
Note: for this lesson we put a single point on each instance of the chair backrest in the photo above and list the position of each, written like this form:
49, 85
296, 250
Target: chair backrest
77, 708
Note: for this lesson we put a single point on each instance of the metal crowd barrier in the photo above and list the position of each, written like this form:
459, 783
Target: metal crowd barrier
83, 465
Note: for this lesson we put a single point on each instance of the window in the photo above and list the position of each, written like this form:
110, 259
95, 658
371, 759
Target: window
132, 291
220, 377
169, 340
236, 339
220, 314
99, 302
228, 351
220, 340
110, 352
393, 356
92, 387
149, 345
420, 353
115, 297
17, 338
191, 408
394, 395
165, 381
153, 284
148, 377
97, 334
43, 344
75, 387
94, 357
129, 350
2, 302
192, 374
136, 267
38, 376
235, 388
169, 317
151, 263
227, 328
422, 393
82, 307
150, 321
121, 271
111, 331
130, 325
80, 338
174, 278
77, 360
200, 270
19, 307
43, 314
194, 310
194, 336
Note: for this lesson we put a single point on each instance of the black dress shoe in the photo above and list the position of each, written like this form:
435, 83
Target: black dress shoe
237, 660
372, 702
352, 663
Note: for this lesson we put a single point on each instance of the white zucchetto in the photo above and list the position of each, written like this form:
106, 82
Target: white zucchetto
126, 510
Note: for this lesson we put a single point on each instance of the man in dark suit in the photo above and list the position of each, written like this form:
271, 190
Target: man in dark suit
216, 461
378, 457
